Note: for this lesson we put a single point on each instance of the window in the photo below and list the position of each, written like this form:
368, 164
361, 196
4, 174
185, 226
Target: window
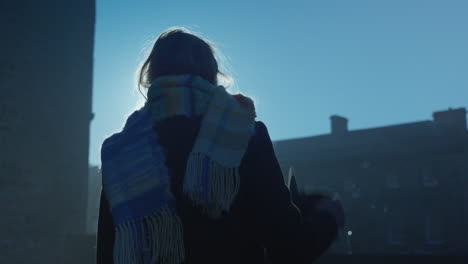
348, 183
433, 230
397, 229
392, 181
395, 233
365, 164
429, 179
352, 187
355, 192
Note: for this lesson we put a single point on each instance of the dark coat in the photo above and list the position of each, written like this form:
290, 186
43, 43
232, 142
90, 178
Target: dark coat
262, 222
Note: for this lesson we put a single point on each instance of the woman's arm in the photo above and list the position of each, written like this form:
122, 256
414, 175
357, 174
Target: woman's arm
105, 234
288, 235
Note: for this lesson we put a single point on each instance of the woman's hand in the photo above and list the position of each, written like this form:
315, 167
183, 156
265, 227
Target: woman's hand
333, 206
310, 203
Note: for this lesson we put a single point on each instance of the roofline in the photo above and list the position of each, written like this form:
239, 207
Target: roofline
356, 130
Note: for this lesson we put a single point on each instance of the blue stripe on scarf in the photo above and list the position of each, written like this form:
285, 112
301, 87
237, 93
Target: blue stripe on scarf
219, 132
142, 151
205, 179
190, 97
143, 205
188, 106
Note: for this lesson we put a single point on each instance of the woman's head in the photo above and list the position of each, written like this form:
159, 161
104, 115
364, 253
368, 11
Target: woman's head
178, 51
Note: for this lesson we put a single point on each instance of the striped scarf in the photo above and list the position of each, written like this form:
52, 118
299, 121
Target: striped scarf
136, 181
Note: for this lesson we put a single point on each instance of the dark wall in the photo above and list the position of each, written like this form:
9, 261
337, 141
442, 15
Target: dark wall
46, 56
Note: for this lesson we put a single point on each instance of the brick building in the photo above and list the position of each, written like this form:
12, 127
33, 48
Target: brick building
404, 187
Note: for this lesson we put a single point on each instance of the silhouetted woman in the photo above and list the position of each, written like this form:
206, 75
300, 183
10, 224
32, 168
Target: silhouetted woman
193, 178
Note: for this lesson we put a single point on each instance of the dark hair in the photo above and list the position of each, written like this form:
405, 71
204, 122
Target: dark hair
178, 51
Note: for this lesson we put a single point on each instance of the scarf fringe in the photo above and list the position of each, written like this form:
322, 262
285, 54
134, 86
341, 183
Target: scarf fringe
223, 184
163, 242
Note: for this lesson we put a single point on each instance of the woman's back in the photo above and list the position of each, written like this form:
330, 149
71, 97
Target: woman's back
262, 215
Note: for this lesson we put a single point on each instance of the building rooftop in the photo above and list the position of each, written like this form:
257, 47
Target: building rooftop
446, 133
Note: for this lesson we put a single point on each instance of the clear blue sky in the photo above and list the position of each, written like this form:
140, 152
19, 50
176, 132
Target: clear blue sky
375, 62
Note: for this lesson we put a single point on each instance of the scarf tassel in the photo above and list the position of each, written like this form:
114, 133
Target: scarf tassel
163, 242
210, 185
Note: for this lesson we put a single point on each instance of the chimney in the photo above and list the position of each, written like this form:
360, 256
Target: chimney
451, 121
339, 125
